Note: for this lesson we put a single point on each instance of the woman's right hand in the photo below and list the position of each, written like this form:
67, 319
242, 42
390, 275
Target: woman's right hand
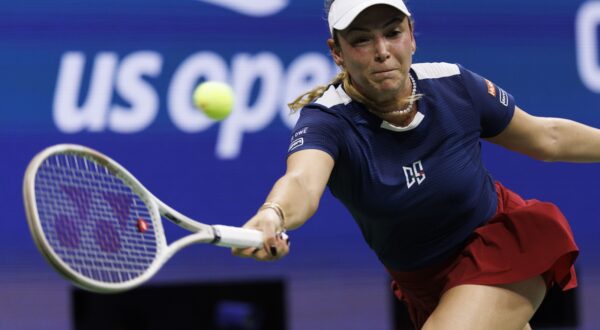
305, 180
274, 245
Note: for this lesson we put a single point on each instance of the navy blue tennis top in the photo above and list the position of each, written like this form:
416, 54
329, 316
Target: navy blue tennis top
417, 192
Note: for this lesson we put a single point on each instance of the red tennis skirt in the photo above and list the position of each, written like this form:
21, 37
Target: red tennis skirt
524, 239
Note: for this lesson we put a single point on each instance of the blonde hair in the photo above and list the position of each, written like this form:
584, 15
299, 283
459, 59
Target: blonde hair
314, 93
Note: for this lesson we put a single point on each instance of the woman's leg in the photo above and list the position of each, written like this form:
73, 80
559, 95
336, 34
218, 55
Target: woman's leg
501, 307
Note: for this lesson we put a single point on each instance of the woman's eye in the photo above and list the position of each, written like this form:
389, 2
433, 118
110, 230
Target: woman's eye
394, 33
358, 41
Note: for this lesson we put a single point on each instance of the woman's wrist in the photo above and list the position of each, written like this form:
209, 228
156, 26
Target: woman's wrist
278, 210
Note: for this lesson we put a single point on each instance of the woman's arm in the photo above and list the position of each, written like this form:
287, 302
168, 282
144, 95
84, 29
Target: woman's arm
297, 195
550, 139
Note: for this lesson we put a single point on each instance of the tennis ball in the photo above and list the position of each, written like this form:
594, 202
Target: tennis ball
214, 98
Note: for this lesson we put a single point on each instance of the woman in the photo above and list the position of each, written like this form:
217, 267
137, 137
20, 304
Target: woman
399, 145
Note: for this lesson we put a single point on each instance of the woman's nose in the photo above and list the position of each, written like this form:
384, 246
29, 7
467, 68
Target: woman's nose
381, 50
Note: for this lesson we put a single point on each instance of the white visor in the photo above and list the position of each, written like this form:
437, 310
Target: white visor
343, 12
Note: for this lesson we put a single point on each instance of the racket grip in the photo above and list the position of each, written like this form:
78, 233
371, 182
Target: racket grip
229, 236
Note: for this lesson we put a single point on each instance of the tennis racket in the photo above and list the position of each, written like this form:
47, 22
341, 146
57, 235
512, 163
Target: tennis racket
99, 227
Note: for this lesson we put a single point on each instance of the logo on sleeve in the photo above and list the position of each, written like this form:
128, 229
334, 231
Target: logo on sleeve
296, 143
299, 132
503, 97
491, 88
297, 140
414, 174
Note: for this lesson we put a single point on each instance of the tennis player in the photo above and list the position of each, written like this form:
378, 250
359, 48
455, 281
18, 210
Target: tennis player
399, 145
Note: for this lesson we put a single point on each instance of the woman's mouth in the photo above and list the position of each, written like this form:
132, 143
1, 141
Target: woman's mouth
384, 73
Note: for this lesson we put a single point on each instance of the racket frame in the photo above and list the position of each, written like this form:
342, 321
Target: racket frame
220, 235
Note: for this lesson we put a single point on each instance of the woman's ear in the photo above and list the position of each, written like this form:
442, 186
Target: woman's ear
335, 52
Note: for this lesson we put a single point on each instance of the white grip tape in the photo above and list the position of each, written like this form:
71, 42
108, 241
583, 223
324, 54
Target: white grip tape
239, 237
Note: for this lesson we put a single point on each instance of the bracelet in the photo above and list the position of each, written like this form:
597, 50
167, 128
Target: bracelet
277, 208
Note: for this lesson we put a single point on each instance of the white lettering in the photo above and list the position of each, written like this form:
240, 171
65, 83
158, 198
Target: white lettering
414, 174
588, 19
305, 72
300, 132
246, 117
69, 117
503, 97
138, 92
261, 86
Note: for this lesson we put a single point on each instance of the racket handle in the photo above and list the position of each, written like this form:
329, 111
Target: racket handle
239, 237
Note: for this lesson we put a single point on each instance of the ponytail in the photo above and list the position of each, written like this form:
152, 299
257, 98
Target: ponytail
314, 93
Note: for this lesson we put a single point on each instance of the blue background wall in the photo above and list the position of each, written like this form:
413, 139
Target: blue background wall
117, 76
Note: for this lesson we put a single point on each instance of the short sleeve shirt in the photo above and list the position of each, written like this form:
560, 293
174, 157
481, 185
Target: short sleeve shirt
416, 192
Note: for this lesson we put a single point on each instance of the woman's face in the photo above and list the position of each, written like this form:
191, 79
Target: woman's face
376, 51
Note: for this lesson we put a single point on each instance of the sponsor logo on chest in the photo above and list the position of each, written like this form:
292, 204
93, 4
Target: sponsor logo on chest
414, 174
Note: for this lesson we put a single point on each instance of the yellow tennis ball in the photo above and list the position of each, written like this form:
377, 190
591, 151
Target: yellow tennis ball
214, 98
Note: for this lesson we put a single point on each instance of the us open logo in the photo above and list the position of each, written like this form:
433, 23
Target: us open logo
414, 174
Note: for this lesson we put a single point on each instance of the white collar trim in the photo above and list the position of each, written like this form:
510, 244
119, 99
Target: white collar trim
413, 124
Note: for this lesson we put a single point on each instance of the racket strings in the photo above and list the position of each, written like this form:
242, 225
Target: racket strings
90, 217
